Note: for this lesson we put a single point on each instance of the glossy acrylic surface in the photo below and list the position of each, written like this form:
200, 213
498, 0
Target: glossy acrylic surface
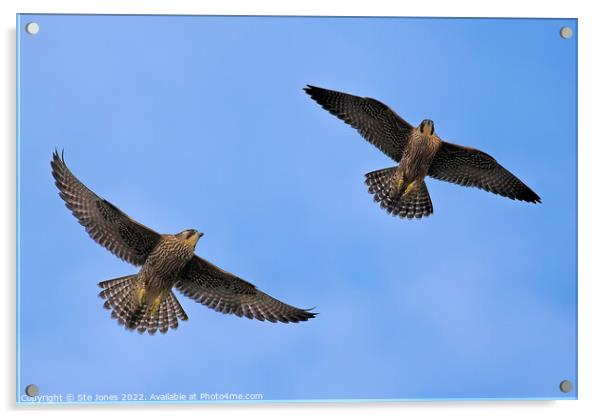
201, 122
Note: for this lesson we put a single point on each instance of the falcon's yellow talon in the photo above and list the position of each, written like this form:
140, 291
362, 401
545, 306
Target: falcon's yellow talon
410, 188
400, 183
155, 305
141, 295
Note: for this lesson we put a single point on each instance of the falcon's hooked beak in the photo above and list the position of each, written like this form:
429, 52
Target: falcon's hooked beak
193, 237
427, 127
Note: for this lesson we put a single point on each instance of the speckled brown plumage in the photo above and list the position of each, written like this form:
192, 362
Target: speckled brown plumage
145, 301
419, 152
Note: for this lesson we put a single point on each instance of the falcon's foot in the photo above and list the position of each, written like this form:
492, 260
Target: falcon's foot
141, 296
155, 305
400, 184
410, 188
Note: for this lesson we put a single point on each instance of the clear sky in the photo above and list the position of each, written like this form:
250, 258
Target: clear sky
201, 122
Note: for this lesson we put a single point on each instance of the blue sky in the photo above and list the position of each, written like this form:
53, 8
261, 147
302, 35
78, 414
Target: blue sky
201, 122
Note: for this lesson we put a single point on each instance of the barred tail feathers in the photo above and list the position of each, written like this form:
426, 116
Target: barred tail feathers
121, 297
415, 204
165, 317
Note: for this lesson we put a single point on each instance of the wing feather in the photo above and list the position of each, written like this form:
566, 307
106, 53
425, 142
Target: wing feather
374, 120
224, 292
104, 222
470, 167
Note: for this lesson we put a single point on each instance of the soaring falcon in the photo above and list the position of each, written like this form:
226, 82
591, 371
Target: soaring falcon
145, 301
420, 152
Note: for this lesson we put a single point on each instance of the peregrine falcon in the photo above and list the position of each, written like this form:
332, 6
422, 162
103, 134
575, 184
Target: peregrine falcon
145, 301
420, 152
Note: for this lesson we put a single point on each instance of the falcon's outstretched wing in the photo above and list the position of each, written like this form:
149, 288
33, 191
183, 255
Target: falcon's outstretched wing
226, 293
374, 120
103, 221
470, 167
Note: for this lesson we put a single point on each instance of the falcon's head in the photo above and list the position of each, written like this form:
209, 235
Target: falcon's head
190, 237
427, 127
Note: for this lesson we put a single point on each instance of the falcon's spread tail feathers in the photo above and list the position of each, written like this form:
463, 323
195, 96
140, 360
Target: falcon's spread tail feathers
415, 204
121, 297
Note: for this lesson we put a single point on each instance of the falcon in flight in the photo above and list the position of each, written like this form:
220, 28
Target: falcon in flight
145, 301
420, 152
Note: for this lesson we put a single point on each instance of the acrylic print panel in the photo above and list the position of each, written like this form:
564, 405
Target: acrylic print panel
200, 124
